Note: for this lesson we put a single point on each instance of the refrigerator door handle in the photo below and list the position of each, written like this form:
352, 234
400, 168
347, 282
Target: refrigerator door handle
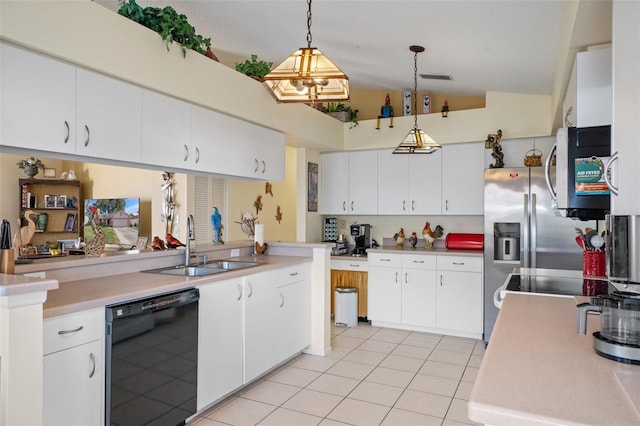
533, 230
525, 232
547, 173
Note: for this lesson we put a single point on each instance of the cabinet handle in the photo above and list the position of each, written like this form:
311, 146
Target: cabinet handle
264, 167
385, 260
293, 274
68, 135
396, 277
418, 261
458, 263
281, 300
406, 278
197, 155
186, 153
63, 332
344, 206
250, 290
92, 358
404, 205
413, 205
354, 266
86, 129
352, 206
446, 205
440, 280
239, 292
257, 165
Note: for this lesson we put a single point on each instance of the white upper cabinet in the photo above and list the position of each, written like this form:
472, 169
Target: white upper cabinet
363, 182
463, 179
166, 131
38, 101
594, 90
334, 177
109, 113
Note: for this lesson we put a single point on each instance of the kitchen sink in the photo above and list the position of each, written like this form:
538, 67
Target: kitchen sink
213, 267
230, 265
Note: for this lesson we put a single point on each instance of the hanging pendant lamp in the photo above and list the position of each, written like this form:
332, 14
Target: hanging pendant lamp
307, 76
417, 141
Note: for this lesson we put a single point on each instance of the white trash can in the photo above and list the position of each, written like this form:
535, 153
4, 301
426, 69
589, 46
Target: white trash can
346, 304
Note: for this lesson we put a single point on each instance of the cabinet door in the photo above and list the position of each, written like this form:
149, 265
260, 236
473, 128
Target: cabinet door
419, 297
385, 293
73, 386
463, 179
38, 101
459, 304
293, 319
109, 116
425, 184
393, 183
220, 317
363, 182
334, 187
261, 303
166, 131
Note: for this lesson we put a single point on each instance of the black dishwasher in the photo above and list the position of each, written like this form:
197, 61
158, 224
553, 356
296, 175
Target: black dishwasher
151, 360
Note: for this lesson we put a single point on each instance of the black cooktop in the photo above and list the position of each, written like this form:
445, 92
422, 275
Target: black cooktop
558, 285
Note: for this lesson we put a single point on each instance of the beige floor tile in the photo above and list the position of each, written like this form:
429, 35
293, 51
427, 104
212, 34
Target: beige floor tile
442, 369
448, 422
376, 393
456, 346
449, 357
391, 377
475, 361
334, 385
458, 412
377, 346
389, 337
312, 362
294, 376
411, 351
359, 413
402, 363
206, 422
365, 357
338, 352
459, 339
470, 374
397, 417
312, 402
464, 390
350, 369
346, 341
329, 422
424, 403
362, 332
433, 384
480, 348
240, 412
271, 392
422, 341
284, 417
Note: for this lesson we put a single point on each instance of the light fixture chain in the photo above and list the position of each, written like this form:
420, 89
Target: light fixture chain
309, 24
415, 90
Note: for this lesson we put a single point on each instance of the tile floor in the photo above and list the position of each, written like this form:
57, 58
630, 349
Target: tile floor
373, 376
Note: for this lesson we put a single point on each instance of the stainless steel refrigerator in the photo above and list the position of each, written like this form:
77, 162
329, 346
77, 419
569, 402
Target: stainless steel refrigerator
522, 229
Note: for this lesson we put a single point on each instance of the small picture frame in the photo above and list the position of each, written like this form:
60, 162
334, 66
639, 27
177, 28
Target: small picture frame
426, 104
50, 173
50, 201
70, 222
61, 201
312, 187
142, 243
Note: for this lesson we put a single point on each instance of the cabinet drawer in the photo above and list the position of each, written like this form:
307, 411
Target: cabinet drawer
350, 265
292, 274
460, 263
388, 260
417, 261
66, 331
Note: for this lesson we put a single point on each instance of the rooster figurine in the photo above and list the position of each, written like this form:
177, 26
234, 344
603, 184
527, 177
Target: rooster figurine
399, 237
173, 242
413, 240
157, 244
430, 236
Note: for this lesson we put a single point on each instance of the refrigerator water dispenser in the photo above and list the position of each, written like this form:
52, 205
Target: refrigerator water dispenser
506, 241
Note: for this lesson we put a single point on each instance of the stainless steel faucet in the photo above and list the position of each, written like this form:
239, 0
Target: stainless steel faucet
190, 237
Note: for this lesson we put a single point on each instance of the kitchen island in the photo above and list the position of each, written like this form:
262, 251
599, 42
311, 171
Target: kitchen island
538, 370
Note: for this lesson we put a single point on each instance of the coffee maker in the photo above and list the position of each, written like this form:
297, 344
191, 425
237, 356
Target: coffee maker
361, 234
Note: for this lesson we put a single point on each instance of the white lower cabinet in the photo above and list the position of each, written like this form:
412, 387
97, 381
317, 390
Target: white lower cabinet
220, 318
440, 294
293, 317
73, 366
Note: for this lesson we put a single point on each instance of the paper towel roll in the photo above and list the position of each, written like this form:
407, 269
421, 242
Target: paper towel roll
258, 236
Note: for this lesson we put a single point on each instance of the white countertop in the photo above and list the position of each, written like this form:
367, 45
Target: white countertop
11, 285
538, 370
421, 250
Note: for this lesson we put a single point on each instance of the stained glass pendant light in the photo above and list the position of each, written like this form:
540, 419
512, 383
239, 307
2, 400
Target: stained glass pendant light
417, 141
308, 76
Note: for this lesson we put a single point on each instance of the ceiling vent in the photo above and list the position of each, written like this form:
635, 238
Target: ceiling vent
436, 77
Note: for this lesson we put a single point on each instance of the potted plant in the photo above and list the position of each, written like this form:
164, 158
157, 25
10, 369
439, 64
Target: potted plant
31, 166
254, 68
342, 112
171, 25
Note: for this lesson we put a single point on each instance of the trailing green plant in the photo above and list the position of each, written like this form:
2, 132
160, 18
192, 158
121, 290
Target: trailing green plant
339, 107
171, 25
254, 67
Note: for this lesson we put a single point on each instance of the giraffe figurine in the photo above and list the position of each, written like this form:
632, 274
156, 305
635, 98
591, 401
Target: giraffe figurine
95, 246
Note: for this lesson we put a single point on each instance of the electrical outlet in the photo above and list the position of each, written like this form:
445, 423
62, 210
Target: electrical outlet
235, 252
343, 224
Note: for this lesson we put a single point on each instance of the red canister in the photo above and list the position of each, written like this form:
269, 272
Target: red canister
455, 241
593, 263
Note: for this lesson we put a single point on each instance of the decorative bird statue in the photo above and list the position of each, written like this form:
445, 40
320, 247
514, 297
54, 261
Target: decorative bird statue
95, 246
247, 223
25, 233
413, 240
278, 214
173, 242
399, 237
258, 204
157, 244
430, 236
260, 249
